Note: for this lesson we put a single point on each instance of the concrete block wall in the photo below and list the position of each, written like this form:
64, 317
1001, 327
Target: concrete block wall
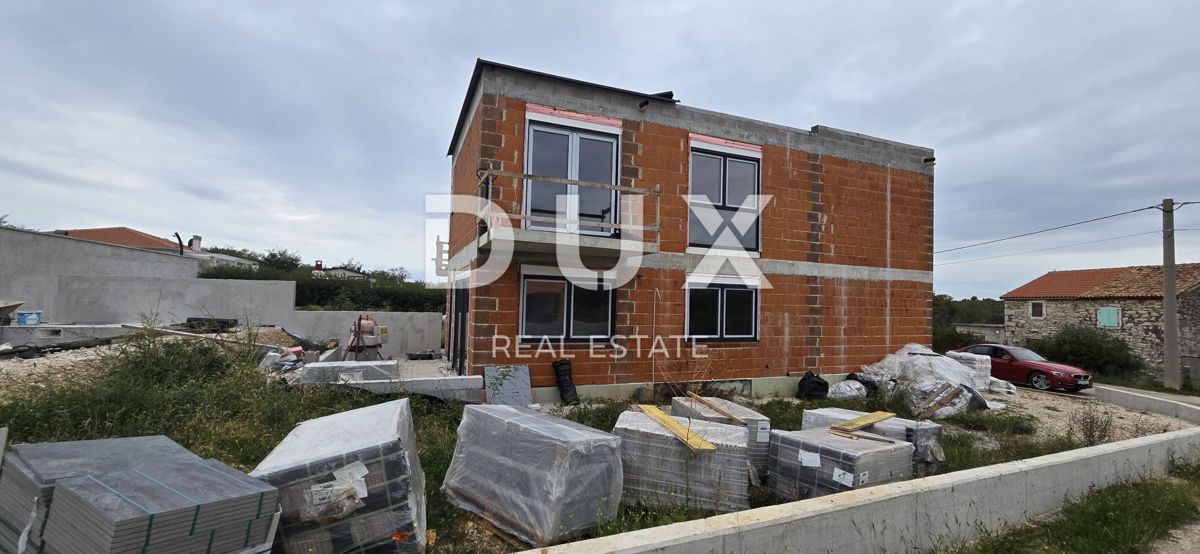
930, 513
846, 240
107, 299
31, 264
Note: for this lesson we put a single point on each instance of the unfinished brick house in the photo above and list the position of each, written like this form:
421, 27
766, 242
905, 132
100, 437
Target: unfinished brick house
844, 242
1124, 301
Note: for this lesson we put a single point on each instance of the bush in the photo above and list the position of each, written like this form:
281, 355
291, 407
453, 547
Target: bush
343, 294
946, 337
1091, 349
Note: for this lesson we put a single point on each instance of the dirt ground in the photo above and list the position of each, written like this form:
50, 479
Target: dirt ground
55, 364
1053, 414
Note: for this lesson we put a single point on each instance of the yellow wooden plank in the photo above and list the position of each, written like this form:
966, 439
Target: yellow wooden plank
692, 440
862, 422
716, 407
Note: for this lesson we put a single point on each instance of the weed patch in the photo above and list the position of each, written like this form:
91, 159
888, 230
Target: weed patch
994, 421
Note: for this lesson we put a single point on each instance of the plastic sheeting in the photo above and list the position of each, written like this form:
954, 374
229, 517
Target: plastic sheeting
815, 462
327, 449
926, 393
758, 426
925, 436
847, 390
538, 477
662, 471
915, 363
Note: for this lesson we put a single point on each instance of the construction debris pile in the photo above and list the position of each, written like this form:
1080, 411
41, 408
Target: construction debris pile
535, 476
710, 471
350, 482
939, 386
127, 494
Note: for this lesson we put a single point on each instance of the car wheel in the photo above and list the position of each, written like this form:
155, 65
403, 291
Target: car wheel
1039, 381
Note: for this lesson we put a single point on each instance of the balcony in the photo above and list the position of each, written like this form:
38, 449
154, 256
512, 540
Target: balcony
600, 222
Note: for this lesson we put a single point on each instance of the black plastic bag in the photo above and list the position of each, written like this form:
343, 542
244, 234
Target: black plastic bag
870, 385
565, 381
812, 387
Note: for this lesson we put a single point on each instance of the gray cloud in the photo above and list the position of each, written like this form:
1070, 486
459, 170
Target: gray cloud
321, 128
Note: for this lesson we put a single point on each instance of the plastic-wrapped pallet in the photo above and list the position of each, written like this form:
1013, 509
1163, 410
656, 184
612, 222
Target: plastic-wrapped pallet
758, 426
662, 471
541, 478
181, 506
979, 365
926, 436
30, 471
350, 482
815, 462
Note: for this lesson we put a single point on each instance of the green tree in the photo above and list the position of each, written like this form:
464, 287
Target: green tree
281, 259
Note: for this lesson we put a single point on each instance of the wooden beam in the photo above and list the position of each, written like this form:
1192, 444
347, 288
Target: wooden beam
939, 404
692, 440
857, 436
716, 407
862, 422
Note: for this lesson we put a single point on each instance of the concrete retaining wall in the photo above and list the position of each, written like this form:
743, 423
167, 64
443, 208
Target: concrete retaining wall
31, 263
925, 514
407, 331
106, 299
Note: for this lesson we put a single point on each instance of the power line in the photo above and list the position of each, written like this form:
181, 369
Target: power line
1053, 248
993, 241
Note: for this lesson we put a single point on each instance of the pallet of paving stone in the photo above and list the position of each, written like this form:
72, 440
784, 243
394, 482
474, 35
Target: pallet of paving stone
183, 506
925, 436
660, 470
374, 450
537, 477
337, 372
815, 462
33, 469
758, 426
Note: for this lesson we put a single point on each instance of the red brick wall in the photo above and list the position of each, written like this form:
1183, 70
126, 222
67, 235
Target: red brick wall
825, 209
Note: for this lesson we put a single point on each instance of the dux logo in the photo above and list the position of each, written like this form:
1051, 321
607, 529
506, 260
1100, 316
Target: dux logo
734, 235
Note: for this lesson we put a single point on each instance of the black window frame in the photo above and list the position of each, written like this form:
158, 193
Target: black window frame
724, 190
568, 312
721, 336
1040, 303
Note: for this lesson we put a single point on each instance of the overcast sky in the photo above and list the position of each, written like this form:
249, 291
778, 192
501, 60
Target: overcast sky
319, 128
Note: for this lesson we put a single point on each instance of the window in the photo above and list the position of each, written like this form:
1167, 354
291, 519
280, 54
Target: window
722, 312
1109, 317
1037, 309
571, 154
981, 350
726, 183
553, 307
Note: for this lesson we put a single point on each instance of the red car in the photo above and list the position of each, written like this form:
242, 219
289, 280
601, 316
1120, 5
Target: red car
1022, 365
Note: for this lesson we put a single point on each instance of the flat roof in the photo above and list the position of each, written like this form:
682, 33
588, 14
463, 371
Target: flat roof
480, 63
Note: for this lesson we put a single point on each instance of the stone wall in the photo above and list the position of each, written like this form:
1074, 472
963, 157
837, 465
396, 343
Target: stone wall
1189, 328
1141, 322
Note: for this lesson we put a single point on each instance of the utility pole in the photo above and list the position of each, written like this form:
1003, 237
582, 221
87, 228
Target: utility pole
1172, 376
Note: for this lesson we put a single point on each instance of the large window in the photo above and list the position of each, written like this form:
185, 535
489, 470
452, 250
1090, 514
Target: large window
553, 307
727, 183
571, 154
722, 312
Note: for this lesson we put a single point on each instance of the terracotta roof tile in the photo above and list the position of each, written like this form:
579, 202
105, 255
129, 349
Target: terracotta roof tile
1117, 282
124, 236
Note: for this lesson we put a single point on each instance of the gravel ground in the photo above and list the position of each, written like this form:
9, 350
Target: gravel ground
71, 364
1184, 540
1054, 414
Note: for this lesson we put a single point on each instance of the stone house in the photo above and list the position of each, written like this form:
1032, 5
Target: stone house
825, 237
1123, 301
